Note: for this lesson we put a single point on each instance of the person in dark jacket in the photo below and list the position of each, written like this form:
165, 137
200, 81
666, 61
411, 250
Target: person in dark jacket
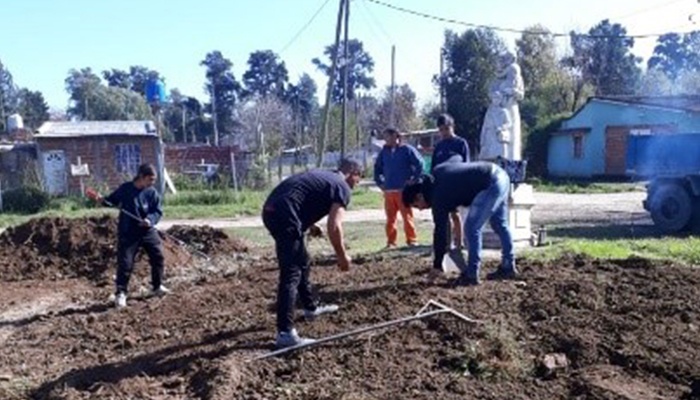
140, 211
292, 208
450, 148
481, 186
397, 164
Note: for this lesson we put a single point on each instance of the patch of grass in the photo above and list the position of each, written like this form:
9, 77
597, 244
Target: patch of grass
585, 187
364, 198
683, 250
497, 353
360, 237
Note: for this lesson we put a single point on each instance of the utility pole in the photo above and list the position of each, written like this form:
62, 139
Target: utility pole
329, 88
184, 131
392, 119
443, 106
346, 67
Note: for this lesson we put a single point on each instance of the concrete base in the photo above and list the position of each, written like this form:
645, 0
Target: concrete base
520, 203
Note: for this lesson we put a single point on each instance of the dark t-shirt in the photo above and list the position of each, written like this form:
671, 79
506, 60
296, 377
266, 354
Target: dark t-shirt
303, 199
456, 184
451, 149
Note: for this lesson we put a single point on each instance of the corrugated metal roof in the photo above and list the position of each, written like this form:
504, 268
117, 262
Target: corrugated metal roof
95, 128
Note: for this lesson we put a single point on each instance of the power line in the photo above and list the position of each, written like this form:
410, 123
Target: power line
512, 30
377, 23
303, 28
645, 10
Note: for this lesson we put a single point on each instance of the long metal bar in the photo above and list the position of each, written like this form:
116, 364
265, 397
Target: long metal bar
454, 312
350, 333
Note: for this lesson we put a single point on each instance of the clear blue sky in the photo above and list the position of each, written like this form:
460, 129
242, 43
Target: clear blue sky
43, 39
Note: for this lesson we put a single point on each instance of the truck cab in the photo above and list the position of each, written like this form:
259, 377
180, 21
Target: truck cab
671, 162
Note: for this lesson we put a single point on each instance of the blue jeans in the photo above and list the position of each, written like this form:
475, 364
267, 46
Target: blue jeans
489, 205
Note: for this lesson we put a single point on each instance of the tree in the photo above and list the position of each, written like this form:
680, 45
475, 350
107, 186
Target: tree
360, 67
267, 75
302, 100
135, 79
33, 108
81, 85
223, 89
470, 65
536, 52
675, 54
405, 115
605, 60
8, 96
550, 89
93, 101
182, 115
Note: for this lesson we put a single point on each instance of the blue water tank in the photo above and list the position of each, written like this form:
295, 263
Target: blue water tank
155, 91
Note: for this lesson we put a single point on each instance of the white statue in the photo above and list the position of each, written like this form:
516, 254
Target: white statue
500, 134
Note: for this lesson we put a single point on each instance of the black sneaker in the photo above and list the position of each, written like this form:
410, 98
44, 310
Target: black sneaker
464, 280
503, 274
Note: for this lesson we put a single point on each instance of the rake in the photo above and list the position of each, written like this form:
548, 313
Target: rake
94, 195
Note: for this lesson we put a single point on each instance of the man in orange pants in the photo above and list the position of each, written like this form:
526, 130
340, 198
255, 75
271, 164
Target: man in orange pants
397, 164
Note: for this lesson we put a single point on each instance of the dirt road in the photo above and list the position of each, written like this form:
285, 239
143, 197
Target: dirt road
550, 209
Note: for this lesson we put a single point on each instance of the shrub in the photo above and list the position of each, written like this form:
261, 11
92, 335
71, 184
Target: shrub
25, 200
537, 144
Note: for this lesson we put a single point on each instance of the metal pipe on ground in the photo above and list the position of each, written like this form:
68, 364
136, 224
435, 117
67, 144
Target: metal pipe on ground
347, 334
421, 314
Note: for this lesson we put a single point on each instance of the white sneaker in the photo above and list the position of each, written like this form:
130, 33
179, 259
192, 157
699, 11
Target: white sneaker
120, 300
160, 291
291, 338
326, 309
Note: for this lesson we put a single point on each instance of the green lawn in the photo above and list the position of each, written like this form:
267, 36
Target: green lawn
585, 187
189, 205
368, 237
682, 250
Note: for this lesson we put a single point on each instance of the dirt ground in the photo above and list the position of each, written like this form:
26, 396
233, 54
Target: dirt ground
619, 329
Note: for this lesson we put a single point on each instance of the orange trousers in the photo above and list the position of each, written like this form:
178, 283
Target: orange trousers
393, 205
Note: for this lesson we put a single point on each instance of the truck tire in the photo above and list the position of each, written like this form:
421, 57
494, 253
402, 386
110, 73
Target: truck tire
671, 208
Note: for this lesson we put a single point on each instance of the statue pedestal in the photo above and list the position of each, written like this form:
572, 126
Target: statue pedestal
520, 205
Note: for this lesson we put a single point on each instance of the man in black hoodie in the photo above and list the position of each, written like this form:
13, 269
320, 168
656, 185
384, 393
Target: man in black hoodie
140, 211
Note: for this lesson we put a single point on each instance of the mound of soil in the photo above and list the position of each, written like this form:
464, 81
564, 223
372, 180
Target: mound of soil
208, 240
622, 330
60, 248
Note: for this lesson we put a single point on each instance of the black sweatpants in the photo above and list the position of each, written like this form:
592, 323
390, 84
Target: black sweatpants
293, 260
127, 248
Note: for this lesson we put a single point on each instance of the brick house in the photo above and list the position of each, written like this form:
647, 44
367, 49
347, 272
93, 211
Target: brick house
113, 150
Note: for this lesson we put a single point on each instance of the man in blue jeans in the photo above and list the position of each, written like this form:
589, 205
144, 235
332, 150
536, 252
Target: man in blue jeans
481, 186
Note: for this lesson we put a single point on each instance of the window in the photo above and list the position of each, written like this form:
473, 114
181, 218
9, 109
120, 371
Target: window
578, 146
127, 158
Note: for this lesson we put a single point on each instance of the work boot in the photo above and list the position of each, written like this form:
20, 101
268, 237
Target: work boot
120, 300
160, 291
503, 274
465, 280
326, 309
290, 339
433, 276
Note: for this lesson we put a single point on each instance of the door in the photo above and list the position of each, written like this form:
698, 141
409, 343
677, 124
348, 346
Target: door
54, 163
616, 151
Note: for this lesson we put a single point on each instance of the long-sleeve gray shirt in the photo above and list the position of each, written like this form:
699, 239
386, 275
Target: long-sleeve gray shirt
456, 184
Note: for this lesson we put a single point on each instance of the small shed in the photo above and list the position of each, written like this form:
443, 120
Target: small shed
112, 150
17, 164
593, 142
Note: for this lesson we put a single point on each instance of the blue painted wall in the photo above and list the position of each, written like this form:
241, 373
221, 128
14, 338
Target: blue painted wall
597, 115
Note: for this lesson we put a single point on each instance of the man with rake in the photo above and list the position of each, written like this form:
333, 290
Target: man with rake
139, 212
